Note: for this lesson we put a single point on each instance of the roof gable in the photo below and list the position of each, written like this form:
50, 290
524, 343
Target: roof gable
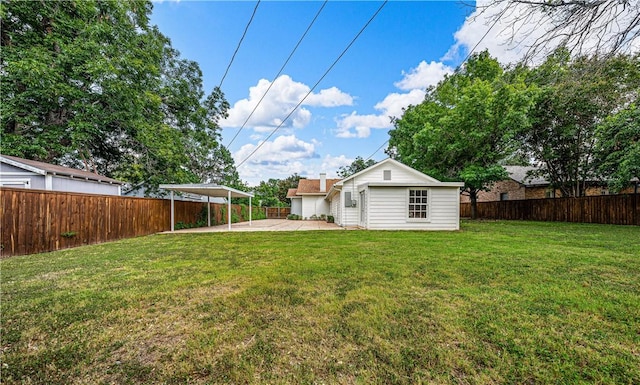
421, 177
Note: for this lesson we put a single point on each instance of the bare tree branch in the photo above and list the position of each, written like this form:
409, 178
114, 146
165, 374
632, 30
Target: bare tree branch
585, 27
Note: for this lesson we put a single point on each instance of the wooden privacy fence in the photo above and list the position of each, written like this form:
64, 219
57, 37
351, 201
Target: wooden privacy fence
607, 209
35, 221
277, 212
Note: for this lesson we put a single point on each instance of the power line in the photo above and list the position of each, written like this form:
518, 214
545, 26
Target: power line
239, 43
483, 36
376, 151
315, 85
278, 74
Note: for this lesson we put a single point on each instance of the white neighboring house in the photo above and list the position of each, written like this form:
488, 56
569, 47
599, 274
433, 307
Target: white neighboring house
309, 198
25, 173
392, 196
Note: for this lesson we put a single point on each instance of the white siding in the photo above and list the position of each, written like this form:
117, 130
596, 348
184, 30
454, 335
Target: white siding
9, 172
314, 205
388, 209
84, 186
387, 206
336, 209
349, 214
296, 206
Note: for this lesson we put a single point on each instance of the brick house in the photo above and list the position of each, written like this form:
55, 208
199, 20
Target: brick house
521, 185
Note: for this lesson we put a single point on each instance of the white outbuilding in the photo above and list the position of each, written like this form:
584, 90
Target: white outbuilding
392, 196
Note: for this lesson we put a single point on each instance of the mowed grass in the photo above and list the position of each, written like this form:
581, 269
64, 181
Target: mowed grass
497, 302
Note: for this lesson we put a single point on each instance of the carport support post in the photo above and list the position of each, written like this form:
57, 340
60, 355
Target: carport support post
229, 208
250, 210
208, 211
172, 212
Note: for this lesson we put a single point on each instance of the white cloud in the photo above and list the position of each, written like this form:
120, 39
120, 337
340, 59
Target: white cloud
281, 150
330, 97
284, 95
415, 81
355, 125
423, 76
331, 164
279, 158
284, 156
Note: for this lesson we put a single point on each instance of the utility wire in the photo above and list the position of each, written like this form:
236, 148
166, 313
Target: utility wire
464, 61
239, 43
483, 36
376, 151
315, 85
278, 74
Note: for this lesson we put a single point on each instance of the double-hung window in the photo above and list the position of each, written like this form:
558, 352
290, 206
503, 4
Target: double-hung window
418, 204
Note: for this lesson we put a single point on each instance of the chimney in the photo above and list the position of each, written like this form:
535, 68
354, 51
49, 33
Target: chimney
323, 182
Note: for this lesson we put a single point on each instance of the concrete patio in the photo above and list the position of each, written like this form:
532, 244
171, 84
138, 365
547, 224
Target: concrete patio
266, 225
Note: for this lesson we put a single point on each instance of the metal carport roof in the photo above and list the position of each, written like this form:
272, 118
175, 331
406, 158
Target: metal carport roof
208, 190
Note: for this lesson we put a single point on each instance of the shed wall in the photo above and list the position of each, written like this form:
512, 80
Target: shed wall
296, 206
388, 209
314, 205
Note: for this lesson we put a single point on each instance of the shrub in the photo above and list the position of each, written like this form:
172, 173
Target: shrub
330, 219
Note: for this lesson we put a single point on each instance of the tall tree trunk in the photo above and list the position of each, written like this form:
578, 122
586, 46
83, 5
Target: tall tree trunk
474, 204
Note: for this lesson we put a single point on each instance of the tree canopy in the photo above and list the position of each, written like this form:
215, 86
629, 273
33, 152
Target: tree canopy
576, 96
356, 166
464, 127
91, 84
273, 192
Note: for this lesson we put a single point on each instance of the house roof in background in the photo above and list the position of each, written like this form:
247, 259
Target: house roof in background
43, 168
312, 186
520, 175
291, 193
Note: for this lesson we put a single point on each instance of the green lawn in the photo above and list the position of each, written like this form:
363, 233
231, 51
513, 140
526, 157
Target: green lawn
497, 302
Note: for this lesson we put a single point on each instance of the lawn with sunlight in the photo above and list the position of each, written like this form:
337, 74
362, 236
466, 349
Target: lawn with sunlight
497, 302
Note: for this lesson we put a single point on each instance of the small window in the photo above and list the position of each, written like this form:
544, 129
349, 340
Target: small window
604, 191
550, 193
418, 204
386, 174
504, 196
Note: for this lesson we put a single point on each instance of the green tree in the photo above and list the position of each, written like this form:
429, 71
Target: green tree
356, 166
576, 95
618, 148
465, 126
274, 191
91, 84
267, 193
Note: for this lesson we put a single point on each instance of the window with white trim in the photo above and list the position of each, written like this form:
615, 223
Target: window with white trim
418, 204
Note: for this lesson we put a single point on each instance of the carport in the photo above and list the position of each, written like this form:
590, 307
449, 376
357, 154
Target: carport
208, 190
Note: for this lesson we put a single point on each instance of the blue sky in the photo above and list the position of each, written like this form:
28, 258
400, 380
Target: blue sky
409, 46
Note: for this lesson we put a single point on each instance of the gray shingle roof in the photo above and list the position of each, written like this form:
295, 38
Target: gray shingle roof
61, 170
521, 175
